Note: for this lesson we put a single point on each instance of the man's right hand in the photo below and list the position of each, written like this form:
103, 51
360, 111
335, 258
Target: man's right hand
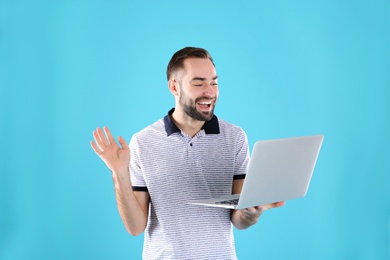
133, 206
117, 158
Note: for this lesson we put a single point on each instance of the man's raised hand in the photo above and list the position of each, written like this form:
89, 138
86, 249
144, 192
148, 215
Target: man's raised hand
116, 157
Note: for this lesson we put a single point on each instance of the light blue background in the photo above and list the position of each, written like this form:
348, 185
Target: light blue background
287, 68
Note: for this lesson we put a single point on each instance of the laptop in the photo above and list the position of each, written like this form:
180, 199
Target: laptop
279, 170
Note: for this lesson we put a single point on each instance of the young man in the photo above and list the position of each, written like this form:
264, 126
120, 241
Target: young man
189, 154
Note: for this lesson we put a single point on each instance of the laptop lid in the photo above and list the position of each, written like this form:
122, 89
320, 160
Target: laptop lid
279, 170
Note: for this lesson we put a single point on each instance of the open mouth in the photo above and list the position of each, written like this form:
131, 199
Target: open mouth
205, 105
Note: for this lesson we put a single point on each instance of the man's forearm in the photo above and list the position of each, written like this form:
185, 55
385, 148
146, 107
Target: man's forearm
132, 208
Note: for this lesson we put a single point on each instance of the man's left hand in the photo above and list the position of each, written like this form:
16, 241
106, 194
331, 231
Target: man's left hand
250, 216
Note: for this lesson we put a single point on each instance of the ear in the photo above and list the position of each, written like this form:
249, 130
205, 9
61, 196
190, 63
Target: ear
173, 86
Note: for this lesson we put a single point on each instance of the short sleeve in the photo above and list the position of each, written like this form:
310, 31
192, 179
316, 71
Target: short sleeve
242, 156
136, 174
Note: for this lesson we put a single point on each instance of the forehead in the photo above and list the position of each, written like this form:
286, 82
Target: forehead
197, 67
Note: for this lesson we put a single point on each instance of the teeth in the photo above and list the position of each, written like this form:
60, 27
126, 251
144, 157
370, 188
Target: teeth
205, 103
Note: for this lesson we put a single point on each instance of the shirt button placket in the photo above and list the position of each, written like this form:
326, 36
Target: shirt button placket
192, 157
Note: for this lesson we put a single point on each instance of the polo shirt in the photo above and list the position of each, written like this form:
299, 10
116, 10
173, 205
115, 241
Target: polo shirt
175, 169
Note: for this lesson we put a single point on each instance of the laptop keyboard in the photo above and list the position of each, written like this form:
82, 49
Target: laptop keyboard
228, 202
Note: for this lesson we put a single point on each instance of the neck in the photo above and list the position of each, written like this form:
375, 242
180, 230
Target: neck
186, 123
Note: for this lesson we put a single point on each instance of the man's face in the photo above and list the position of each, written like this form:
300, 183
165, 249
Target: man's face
198, 89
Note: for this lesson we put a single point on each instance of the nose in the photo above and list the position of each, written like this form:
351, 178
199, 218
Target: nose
210, 90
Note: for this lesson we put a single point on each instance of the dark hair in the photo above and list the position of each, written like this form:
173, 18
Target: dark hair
177, 60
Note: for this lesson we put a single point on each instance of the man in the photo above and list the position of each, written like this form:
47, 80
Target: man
187, 155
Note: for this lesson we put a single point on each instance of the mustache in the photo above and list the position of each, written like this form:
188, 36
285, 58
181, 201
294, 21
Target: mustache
205, 98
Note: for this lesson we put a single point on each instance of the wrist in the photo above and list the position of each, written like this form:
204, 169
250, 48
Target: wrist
121, 178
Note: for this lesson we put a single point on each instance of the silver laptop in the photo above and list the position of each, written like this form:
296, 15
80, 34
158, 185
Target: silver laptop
279, 170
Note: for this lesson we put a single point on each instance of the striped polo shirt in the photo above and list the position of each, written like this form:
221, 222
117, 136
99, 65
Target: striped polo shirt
175, 169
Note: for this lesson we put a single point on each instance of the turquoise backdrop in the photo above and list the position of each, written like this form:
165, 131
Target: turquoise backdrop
287, 68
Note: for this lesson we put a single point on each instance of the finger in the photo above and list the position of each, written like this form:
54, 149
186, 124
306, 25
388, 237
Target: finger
123, 142
255, 210
110, 138
274, 205
102, 137
95, 148
278, 204
98, 139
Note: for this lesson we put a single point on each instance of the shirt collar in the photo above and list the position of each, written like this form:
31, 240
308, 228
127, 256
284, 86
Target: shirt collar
209, 127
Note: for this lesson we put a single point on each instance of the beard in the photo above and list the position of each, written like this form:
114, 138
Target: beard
189, 107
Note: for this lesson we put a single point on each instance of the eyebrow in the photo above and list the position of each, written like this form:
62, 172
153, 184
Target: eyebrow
203, 79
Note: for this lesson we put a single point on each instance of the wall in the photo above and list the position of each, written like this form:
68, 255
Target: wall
287, 68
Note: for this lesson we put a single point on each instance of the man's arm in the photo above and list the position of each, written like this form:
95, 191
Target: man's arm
133, 206
245, 218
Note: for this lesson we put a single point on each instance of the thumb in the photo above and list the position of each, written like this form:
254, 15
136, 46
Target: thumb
123, 142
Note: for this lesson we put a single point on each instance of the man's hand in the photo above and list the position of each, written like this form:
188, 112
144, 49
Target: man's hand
115, 157
249, 216
133, 206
